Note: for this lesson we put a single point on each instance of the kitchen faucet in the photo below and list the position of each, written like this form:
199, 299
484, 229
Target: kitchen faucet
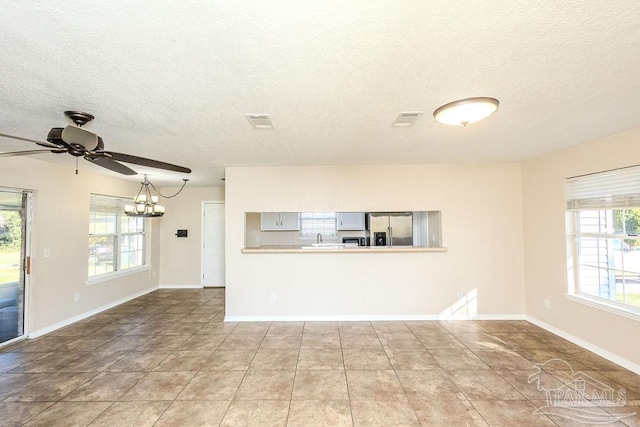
319, 238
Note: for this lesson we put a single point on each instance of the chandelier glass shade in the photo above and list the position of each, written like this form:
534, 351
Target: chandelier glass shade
145, 205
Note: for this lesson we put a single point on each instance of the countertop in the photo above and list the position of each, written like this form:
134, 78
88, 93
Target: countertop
357, 249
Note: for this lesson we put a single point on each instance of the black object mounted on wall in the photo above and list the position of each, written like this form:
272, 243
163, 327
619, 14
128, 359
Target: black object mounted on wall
181, 233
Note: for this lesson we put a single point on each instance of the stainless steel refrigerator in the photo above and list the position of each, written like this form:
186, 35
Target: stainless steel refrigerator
391, 228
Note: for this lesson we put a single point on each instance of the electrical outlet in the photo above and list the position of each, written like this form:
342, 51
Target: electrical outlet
274, 297
76, 297
459, 295
547, 304
47, 253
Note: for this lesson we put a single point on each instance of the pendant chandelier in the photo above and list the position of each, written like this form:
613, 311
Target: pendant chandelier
147, 205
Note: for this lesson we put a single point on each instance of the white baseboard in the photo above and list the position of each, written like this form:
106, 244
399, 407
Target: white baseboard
365, 317
180, 286
74, 319
627, 364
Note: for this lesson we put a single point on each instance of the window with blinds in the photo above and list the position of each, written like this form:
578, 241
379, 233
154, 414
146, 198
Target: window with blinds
116, 241
314, 223
605, 212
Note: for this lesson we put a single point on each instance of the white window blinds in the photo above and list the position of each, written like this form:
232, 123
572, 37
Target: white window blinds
618, 188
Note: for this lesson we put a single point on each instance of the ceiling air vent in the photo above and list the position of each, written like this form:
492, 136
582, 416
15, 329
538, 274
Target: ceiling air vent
406, 119
260, 121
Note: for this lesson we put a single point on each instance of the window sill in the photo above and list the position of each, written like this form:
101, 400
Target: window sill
604, 305
117, 274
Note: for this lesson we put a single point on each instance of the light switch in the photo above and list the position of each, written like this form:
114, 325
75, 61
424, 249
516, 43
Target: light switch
47, 253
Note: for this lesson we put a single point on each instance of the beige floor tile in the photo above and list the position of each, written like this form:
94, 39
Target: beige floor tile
107, 386
131, 414
96, 361
163, 343
501, 413
320, 385
9, 361
49, 362
183, 413
352, 340
503, 360
495, 326
481, 341
458, 359
51, 387
44, 344
254, 413
628, 414
520, 380
266, 385
84, 344
113, 329
223, 360
252, 328
203, 342
183, 328
184, 361
215, 328
484, 385
411, 359
13, 383
275, 360
461, 326
362, 358
139, 361
159, 386
320, 340
439, 341
320, 327
124, 343
447, 413
18, 413
316, 413
390, 327
69, 414
320, 359
374, 385
356, 327
399, 340
520, 340
212, 385
286, 328
426, 385
198, 316
281, 341
374, 413
242, 341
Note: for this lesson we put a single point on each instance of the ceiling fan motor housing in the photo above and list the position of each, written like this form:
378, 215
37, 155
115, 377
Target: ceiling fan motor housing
80, 138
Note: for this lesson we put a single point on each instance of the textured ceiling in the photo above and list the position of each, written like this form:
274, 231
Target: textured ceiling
172, 80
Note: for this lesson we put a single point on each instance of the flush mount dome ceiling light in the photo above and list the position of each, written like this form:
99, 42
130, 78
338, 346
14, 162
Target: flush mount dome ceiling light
465, 111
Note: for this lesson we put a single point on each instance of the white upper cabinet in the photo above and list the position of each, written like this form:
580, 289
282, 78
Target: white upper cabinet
282, 221
351, 221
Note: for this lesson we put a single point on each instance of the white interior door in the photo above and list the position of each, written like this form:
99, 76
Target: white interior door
213, 244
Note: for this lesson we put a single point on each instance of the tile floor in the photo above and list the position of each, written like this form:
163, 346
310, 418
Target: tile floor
167, 359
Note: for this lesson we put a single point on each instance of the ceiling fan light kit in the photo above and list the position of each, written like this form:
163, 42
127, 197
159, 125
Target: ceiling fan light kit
466, 111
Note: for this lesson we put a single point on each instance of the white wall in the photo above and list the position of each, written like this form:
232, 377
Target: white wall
481, 226
180, 258
545, 239
61, 224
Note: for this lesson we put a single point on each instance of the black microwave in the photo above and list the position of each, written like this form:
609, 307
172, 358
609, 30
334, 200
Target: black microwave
360, 241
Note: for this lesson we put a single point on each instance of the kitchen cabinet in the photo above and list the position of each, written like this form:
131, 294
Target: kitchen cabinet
279, 221
351, 221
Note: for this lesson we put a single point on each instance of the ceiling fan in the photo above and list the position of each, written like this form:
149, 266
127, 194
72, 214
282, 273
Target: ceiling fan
80, 142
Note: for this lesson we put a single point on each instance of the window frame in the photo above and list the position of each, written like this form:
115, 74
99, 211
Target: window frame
313, 235
603, 198
113, 205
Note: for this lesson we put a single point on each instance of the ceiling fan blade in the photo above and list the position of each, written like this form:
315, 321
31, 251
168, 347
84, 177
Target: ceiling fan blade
25, 153
19, 138
128, 158
110, 164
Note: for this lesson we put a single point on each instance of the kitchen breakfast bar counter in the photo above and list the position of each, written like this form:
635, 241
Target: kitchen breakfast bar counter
357, 249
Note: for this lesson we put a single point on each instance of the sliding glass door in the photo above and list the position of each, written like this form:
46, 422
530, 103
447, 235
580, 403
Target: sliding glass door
14, 262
